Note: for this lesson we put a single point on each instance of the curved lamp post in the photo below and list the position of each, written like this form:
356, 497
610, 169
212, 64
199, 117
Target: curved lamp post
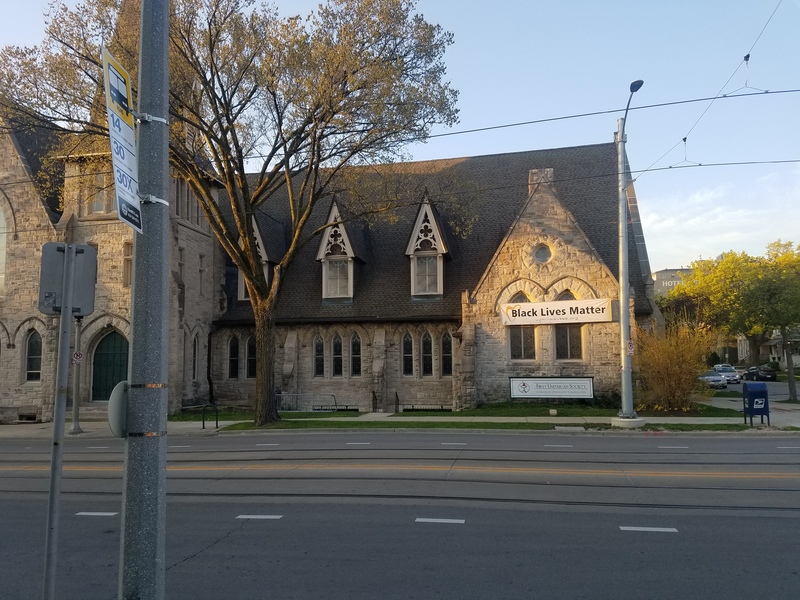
626, 344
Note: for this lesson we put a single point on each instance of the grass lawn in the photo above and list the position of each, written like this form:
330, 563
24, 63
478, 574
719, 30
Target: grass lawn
321, 420
783, 376
521, 409
517, 409
238, 414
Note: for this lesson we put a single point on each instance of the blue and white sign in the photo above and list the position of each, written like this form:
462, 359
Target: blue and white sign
123, 141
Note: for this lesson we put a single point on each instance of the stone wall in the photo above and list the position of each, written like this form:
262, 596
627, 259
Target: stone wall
573, 265
89, 218
381, 377
27, 228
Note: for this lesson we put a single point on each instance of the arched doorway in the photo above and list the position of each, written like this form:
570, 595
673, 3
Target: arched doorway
109, 366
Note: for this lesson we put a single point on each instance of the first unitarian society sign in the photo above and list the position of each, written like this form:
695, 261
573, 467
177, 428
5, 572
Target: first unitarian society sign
548, 313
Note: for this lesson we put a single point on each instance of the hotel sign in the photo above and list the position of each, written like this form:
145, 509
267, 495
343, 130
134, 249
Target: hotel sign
549, 313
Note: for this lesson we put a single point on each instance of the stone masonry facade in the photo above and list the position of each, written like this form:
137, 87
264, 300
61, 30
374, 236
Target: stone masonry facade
573, 265
454, 358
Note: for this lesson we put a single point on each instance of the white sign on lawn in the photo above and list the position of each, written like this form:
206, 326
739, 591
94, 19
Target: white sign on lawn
123, 141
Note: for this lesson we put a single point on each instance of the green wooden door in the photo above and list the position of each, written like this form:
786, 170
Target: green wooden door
110, 365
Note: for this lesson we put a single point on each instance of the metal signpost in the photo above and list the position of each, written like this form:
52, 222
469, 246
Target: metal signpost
66, 288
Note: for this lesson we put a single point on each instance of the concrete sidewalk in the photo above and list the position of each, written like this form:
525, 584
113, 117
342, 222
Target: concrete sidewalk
782, 415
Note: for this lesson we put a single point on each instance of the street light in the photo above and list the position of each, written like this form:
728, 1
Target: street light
626, 344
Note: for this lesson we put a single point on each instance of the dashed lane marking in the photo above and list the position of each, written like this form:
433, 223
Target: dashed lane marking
445, 521
650, 529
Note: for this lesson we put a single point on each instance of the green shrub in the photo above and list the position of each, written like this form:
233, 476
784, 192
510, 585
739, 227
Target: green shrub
669, 363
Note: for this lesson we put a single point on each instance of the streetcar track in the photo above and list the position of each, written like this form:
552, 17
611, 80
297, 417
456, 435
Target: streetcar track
462, 455
255, 496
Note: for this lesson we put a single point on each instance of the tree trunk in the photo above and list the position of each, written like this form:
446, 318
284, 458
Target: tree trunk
787, 349
755, 342
265, 404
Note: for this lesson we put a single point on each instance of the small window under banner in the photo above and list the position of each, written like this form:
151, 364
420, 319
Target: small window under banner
551, 387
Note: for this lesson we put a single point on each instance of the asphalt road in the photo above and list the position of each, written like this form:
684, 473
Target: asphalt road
424, 515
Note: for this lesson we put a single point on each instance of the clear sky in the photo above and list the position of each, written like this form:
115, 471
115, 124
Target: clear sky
516, 61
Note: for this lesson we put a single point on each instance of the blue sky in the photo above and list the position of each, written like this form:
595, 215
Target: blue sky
516, 61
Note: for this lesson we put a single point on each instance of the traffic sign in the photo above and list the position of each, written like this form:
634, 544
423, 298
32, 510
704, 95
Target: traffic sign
630, 347
77, 357
123, 141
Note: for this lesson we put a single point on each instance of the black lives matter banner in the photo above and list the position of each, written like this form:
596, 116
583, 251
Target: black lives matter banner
549, 313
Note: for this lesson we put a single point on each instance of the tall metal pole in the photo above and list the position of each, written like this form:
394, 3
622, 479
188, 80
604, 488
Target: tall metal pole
626, 387
59, 413
76, 381
142, 556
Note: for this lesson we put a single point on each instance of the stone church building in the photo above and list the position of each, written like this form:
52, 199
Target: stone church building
383, 314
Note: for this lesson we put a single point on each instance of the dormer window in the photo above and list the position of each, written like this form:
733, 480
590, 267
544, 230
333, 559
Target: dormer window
242, 292
426, 249
336, 255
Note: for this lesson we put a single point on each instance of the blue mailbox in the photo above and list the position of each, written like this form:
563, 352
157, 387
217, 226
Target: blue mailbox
755, 400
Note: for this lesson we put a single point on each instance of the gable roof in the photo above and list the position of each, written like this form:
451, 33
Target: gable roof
585, 180
33, 144
432, 233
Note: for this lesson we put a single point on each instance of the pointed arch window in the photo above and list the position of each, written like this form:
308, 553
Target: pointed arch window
408, 355
569, 342
33, 357
251, 357
521, 338
336, 355
233, 358
319, 357
195, 356
427, 354
355, 355
447, 354
3, 242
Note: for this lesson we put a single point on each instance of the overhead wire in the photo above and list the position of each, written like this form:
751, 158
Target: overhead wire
745, 61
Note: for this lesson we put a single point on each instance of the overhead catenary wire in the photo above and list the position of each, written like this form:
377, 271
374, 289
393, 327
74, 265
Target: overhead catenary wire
109, 222
546, 120
745, 61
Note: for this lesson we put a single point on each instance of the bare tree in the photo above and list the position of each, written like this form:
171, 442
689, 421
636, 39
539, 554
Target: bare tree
269, 109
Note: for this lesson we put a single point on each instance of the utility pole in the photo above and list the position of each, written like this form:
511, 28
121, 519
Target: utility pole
142, 556
627, 416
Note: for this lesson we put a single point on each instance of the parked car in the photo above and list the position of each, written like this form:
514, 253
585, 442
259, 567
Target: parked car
714, 380
729, 373
760, 373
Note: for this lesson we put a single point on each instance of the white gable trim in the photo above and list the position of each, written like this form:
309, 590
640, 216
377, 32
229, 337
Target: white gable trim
426, 236
262, 251
335, 241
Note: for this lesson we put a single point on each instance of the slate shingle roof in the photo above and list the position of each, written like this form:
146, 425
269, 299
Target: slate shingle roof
585, 180
34, 144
